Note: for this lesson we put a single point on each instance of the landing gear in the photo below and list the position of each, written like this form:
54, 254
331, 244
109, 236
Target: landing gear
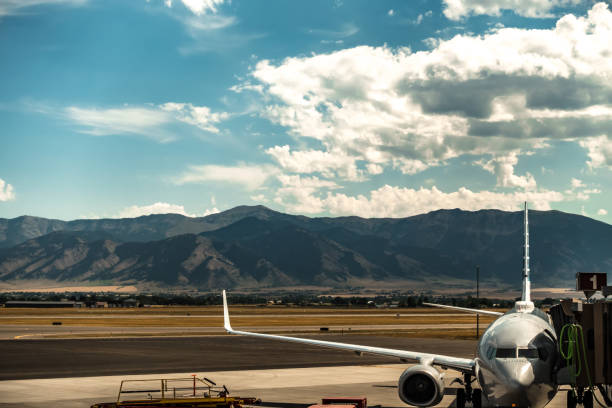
477, 398
587, 399
468, 394
460, 398
580, 396
571, 399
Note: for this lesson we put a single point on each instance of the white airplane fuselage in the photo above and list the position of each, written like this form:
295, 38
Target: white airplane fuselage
515, 360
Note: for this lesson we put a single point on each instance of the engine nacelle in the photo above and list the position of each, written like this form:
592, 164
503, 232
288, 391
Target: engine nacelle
421, 385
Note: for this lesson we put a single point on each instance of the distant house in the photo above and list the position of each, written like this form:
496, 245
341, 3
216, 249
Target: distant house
39, 303
101, 304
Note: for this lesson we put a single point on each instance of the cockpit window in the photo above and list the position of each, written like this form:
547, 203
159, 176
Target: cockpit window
505, 353
528, 353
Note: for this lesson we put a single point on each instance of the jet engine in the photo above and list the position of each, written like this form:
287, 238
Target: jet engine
421, 385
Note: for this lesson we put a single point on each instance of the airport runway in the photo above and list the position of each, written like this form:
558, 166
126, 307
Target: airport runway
26, 359
20, 331
234, 315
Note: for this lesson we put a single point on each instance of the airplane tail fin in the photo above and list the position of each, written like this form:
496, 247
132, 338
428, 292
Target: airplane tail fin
525, 304
226, 319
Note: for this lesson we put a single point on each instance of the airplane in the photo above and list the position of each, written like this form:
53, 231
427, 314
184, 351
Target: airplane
514, 366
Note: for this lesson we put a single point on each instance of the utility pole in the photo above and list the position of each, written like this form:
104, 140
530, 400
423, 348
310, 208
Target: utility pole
477, 300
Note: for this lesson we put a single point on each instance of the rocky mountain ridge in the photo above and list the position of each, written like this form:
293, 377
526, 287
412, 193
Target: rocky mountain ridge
255, 247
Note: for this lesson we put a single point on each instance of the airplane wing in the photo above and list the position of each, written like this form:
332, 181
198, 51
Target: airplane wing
461, 364
465, 309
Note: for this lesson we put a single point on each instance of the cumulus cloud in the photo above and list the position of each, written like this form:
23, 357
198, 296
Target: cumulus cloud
250, 177
298, 193
503, 168
457, 9
329, 163
511, 90
148, 121
389, 201
602, 211
160, 208
6, 191
13, 7
599, 151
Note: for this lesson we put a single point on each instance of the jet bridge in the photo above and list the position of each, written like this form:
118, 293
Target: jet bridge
584, 331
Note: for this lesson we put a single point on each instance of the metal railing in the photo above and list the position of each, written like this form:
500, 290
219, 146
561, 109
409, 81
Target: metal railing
172, 388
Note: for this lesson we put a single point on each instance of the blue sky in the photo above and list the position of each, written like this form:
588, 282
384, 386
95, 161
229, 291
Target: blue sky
369, 108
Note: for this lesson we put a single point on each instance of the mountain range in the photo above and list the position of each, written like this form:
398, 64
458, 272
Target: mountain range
255, 247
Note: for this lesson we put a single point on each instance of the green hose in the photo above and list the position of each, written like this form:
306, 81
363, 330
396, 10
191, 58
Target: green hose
573, 356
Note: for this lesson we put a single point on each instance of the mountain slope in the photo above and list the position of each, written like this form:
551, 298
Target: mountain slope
258, 247
141, 229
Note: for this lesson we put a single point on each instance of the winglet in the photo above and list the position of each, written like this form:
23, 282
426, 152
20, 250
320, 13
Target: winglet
226, 319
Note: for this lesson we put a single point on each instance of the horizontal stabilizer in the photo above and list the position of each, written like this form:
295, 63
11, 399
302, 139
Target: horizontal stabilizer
465, 309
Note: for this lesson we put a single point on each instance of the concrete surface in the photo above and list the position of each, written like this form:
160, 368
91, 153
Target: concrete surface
276, 387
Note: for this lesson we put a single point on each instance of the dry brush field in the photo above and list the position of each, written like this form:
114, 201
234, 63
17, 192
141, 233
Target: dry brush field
363, 320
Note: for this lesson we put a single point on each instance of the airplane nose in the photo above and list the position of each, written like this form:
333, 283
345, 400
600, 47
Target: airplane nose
524, 375
519, 373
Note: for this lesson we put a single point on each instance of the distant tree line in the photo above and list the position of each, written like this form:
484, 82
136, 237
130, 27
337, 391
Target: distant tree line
277, 299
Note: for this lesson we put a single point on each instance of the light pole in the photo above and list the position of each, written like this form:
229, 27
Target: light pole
477, 299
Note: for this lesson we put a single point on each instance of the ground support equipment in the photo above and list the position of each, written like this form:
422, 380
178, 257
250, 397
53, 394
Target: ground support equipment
174, 393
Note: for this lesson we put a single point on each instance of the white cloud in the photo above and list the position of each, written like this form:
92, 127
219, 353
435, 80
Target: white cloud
198, 25
506, 91
148, 121
160, 208
250, 177
599, 151
199, 116
391, 12
328, 163
199, 7
118, 121
389, 201
209, 28
14, 7
209, 211
297, 194
503, 168
260, 198
602, 211
456, 9
576, 183
6, 191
